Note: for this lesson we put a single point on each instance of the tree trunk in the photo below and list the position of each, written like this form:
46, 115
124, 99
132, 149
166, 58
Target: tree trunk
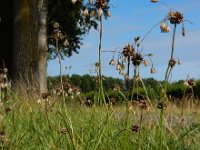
42, 44
6, 24
25, 48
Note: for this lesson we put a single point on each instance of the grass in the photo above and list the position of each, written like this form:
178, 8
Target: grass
49, 125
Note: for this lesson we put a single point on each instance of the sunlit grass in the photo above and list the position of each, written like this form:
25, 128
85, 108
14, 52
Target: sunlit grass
49, 125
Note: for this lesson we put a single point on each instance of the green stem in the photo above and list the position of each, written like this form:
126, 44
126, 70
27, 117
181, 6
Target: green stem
60, 64
101, 91
140, 127
127, 126
133, 88
164, 93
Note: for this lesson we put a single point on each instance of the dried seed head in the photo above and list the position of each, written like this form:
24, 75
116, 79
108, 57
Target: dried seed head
121, 71
146, 63
179, 62
126, 59
128, 51
142, 104
183, 31
167, 29
164, 27
7, 109
112, 62
66, 43
135, 128
100, 11
160, 105
137, 78
175, 17
137, 59
86, 12
136, 39
154, 1
63, 130
108, 14
118, 66
116, 87
153, 70
126, 77
190, 83
45, 95
172, 62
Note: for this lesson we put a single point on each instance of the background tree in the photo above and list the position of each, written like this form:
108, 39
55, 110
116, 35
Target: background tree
42, 44
20, 19
25, 41
72, 23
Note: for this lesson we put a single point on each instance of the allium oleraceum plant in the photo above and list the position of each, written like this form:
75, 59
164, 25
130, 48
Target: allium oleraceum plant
131, 55
97, 9
174, 18
3, 83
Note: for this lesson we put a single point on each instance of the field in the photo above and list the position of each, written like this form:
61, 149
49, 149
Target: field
52, 124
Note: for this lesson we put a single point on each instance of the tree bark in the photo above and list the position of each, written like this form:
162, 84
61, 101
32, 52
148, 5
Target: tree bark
42, 45
25, 48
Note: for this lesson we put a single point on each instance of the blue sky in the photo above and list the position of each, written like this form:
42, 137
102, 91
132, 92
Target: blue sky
131, 18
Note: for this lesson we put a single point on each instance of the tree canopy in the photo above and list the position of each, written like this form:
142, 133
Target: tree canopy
72, 23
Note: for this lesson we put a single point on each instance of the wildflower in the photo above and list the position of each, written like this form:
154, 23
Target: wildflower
66, 42
183, 31
45, 95
108, 14
121, 71
154, 1
7, 109
128, 51
161, 105
112, 62
142, 104
118, 66
153, 70
137, 59
126, 77
164, 27
100, 11
146, 63
2, 136
64, 130
137, 78
179, 62
135, 128
172, 63
136, 39
175, 17
116, 87
39, 101
190, 83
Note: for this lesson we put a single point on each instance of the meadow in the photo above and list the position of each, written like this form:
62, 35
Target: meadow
27, 123
131, 117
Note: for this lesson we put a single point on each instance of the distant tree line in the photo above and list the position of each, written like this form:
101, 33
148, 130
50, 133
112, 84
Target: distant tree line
88, 84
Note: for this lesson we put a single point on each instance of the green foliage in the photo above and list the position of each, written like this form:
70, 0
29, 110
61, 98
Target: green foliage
72, 23
197, 89
51, 125
176, 90
86, 82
